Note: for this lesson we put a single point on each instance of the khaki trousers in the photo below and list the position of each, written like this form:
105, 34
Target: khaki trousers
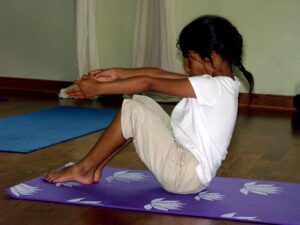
150, 127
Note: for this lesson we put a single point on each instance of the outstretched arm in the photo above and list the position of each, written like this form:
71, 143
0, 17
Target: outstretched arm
176, 87
105, 75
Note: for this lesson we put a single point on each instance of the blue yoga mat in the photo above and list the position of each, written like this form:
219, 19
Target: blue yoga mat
29, 132
255, 201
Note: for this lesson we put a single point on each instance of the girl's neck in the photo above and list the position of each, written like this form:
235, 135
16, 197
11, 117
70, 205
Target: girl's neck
222, 68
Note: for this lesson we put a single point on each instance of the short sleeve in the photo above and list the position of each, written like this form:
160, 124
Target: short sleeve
206, 89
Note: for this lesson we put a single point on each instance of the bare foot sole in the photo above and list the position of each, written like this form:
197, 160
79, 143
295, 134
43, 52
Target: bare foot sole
76, 173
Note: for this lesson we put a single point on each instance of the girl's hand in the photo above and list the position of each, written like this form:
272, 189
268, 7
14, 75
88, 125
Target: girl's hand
86, 87
104, 75
75, 92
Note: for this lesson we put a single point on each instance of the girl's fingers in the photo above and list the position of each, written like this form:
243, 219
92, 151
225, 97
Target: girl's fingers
76, 82
85, 77
76, 93
103, 78
93, 72
101, 75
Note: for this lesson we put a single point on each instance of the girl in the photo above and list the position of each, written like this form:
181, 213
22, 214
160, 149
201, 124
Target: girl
184, 151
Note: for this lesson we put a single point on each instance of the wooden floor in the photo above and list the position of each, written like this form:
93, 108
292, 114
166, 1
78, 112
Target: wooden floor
264, 146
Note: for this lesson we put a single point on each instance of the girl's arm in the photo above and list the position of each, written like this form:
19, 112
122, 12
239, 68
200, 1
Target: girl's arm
176, 87
105, 75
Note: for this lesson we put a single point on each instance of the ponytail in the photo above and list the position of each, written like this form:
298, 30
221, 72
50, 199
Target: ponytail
249, 78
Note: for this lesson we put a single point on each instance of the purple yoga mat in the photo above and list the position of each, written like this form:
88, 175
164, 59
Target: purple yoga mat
226, 198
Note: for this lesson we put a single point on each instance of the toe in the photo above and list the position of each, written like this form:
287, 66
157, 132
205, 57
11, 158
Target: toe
50, 177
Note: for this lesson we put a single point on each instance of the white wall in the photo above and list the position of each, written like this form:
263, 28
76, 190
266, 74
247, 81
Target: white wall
115, 21
37, 39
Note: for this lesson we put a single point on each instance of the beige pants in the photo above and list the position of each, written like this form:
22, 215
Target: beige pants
149, 125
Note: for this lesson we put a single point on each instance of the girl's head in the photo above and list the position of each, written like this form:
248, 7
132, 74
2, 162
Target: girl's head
209, 35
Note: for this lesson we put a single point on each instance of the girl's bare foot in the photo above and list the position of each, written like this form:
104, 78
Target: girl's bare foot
77, 172
82, 172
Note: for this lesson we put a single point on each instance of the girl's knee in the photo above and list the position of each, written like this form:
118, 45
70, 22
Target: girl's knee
134, 108
133, 114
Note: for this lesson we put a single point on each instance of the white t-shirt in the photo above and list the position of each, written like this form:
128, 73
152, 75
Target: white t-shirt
204, 125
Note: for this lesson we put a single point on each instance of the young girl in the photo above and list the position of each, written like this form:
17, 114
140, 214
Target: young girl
184, 151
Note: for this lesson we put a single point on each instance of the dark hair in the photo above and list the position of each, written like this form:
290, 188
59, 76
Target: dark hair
213, 33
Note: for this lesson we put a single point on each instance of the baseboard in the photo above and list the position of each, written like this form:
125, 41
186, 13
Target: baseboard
51, 88
266, 102
21, 86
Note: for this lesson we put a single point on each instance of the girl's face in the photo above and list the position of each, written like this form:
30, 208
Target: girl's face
195, 65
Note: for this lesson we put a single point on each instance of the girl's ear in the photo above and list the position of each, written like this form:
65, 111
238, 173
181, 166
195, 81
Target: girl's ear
186, 66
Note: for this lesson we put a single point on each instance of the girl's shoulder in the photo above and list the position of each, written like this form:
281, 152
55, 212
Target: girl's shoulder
226, 83
209, 78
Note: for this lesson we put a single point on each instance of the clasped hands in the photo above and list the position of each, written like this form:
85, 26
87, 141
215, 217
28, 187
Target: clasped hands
88, 85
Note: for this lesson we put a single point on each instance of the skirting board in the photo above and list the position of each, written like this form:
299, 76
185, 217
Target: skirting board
51, 88
267, 102
21, 86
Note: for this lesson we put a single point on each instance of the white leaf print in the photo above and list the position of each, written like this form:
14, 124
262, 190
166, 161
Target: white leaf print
76, 200
157, 200
209, 196
244, 191
164, 205
68, 184
79, 200
69, 164
260, 189
228, 215
232, 216
148, 206
126, 177
24, 189
91, 202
